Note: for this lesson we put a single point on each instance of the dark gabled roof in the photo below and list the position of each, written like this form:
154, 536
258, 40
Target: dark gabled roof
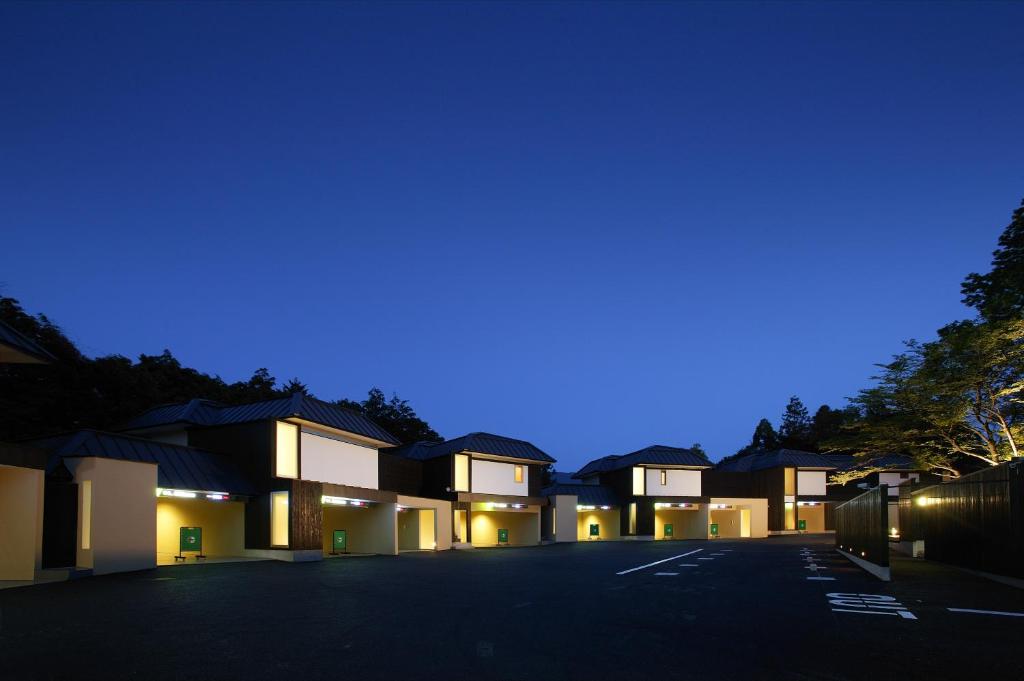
16, 348
207, 413
178, 467
895, 462
591, 495
482, 443
790, 458
653, 455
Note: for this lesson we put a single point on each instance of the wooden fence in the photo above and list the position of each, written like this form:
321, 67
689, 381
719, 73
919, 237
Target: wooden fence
976, 521
862, 526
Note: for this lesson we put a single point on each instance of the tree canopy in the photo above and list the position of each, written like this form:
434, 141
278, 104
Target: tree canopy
999, 294
955, 403
77, 391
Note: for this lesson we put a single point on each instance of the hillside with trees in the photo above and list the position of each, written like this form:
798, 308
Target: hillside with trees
78, 391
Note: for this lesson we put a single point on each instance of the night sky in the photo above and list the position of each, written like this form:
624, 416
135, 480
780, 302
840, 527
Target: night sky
592, 226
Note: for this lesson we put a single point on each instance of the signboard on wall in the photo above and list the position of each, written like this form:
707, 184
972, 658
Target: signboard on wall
340, 541
801, 525
190, 539
714, 529
595, 529
503, 536
668, 530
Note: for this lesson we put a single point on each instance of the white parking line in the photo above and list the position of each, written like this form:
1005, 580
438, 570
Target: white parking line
822, 579
666, 574
705, 559
987, 612
659, 562
688, 565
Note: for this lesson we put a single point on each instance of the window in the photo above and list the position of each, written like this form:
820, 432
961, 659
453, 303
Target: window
554, 521
632, 518
279, 519
664, 478
86, 515
461, 473
790, 482
287, 458
519, 473
638, 480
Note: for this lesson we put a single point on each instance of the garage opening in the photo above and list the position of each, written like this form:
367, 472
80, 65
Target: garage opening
810, 516
214, 522
594, 523
417, 529
679, 521
504, 525
729, 521
357, 526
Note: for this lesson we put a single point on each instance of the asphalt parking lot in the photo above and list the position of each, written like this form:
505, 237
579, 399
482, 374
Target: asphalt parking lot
780, 608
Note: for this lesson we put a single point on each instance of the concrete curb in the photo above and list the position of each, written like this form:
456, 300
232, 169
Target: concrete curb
883, 573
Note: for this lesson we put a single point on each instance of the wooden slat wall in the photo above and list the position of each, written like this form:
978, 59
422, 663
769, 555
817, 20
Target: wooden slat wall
306, 516
976, 521
861, 526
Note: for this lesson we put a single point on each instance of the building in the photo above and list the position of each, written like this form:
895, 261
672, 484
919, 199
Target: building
493, 483
116, 503
793, 482
21, 479
321, 485
659, 492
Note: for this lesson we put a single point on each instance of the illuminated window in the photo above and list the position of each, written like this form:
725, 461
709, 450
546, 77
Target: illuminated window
638, 480
86, 515
790, 482
554, 521
461, 473
790, 518
279, 519
519, 473
287, 459
664, 478
632, 518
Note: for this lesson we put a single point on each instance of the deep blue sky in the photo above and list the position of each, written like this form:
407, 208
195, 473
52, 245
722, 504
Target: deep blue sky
595, 227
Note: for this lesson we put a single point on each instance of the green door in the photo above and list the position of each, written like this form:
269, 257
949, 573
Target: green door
668, 530
595, 529
340, 541
503, 536
801, 525
190, 539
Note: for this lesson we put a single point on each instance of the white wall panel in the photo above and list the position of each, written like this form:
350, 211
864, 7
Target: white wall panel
325, 459
810, 483
678, 483
493, 477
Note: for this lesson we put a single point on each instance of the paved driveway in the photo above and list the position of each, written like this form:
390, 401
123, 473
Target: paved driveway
777, 608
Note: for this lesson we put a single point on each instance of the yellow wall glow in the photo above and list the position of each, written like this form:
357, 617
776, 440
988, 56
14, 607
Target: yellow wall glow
790, 483
815, 517
371, 529
223, 524
461, 473
790, 516
21, 522
638, 481
607, 521
86, 488
523, 527
279, 519
686, 523
287, 459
